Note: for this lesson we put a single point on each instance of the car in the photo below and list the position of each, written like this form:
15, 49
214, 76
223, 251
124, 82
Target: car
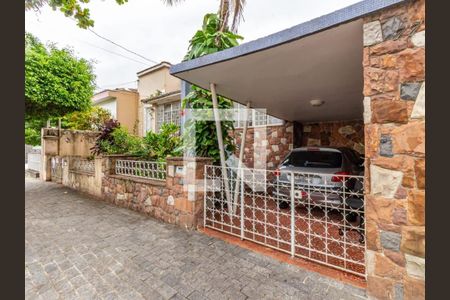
320, 176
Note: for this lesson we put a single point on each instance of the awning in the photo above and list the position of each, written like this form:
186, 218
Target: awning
283, 72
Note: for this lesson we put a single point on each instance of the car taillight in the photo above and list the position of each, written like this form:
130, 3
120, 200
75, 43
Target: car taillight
339, 178
277, 172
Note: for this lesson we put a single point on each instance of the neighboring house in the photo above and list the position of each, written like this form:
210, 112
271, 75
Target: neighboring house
121, 103
159, 98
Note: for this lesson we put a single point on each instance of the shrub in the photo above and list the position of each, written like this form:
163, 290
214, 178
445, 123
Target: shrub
105, 140
91, 119
166, 142
115, 139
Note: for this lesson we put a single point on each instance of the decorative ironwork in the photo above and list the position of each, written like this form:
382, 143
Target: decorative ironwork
318, 217
82, 165
142, 169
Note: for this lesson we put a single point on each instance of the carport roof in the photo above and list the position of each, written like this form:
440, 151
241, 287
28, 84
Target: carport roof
321, 58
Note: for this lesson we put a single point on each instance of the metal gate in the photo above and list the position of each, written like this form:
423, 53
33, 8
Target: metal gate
318, 217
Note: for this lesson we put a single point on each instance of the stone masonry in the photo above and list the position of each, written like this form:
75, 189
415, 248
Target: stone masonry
394, 116
277, 143
176, 200
336, 134
279, 140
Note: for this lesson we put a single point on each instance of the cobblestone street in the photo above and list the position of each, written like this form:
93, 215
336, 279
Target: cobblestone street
81, 248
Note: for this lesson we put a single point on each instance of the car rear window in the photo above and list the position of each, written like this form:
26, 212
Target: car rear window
314, 159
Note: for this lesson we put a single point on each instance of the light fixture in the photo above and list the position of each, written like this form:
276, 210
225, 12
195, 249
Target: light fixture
316, 102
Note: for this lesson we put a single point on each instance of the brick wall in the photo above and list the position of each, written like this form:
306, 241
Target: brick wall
277, 143
394, 113
336, 134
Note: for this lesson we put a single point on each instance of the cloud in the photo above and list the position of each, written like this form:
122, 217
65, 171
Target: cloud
159, 32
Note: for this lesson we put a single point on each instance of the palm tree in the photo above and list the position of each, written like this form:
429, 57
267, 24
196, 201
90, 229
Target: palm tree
228, 10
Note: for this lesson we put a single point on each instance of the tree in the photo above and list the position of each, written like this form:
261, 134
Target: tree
208, 39
90, 119
229, 11
56, 83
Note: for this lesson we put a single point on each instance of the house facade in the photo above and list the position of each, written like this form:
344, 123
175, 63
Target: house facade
122, 105
159, 98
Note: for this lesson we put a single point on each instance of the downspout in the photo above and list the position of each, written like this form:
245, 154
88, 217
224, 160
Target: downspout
241, 156
221, 148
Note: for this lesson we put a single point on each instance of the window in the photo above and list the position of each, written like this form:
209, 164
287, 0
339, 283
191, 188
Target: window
167, 113
257, 118
314, 159
147, 119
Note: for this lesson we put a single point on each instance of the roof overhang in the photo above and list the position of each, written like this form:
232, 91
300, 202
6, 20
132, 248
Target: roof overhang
163, 98
318, 59
102, 96
161, 65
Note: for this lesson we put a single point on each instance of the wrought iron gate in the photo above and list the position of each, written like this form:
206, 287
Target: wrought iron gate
315, 216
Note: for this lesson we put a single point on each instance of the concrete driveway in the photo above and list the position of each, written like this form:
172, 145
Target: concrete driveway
81, 248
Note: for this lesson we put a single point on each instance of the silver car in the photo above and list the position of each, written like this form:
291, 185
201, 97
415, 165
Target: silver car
320, 176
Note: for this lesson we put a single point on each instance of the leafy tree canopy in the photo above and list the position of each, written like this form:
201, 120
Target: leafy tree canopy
56, 81
70, 8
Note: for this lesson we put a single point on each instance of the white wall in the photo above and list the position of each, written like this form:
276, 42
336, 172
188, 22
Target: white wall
110, 105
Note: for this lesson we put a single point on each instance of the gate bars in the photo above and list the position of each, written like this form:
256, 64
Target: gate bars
318, 217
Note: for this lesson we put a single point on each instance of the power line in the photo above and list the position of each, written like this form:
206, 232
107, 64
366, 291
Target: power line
114, 43
116, 84
126, 49
115, 53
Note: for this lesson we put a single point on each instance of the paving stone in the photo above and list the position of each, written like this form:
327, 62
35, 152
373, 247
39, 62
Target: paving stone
80, 248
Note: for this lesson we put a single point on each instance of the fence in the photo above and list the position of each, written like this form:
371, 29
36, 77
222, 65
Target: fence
141, 169
82, 165
314, 216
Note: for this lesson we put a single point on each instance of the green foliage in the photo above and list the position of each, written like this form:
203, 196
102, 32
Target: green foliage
209, 39
154, 146
206, 41
166, 142
90, 119
124, 143
206, 144
32, 136
56, 81
70, 8
105, 139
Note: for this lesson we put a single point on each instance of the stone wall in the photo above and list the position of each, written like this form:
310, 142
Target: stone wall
176, 200
394, 113
336, 134
278, 143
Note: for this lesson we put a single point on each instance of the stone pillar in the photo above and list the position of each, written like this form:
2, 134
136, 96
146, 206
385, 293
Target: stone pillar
184, 181
49, 144
394, 117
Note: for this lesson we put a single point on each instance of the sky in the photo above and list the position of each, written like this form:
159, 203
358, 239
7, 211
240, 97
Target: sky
159, 32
